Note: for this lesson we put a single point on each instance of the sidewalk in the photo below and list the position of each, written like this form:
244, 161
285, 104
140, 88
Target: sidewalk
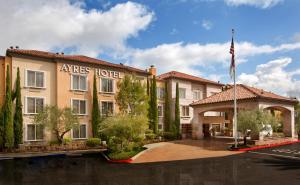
183, 150
4, 156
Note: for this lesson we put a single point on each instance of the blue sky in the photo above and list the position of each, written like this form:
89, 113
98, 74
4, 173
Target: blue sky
191, 36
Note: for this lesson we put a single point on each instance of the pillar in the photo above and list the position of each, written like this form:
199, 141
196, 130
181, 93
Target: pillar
197, 124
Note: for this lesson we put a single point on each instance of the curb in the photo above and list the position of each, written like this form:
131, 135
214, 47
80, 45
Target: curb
130, 160
266, 146
117, 161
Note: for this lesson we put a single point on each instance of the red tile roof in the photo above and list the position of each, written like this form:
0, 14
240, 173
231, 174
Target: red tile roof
243, 93
78, 58
179, 75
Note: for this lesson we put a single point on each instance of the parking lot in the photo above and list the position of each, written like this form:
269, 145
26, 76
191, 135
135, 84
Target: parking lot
291, 151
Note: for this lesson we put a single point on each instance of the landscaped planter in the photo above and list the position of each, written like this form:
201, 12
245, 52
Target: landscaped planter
128, 160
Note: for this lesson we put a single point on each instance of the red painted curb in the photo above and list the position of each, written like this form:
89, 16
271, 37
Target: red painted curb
267, 146
117, 161
121, 161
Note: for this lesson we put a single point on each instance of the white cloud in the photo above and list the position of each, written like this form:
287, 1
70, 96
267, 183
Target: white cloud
257, 3
274, 77
189, 57
206, 24
62, 24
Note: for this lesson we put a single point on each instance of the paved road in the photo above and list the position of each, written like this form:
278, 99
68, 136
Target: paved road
240, 169
287, 151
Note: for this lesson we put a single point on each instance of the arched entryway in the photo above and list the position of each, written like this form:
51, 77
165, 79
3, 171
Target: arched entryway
285, 116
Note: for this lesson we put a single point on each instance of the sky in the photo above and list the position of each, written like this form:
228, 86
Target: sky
190, 36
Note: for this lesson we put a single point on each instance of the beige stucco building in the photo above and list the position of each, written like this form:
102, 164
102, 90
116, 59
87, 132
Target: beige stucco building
65, 81
248, 98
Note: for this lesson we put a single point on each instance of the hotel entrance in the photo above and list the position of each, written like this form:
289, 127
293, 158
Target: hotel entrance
206, 130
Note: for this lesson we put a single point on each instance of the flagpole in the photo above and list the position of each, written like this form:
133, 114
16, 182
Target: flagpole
235, 107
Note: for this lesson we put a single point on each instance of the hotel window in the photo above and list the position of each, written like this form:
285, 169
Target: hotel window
80, 132
160, 109
34, 132
35, 79
107, 108
34, 105
79, 107
79, 82
197, 95
182, 93
185, 111
107, 85
160, 93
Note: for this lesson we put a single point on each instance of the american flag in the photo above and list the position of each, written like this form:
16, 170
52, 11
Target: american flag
232, 65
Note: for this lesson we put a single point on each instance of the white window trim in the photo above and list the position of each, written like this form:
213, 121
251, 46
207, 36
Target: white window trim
86, 106
86, 79
201, 94
162, 105
114, 86
181, 113
184, 92
159, 92
26, 135
86, 132
34, 70
107, 101
26, 111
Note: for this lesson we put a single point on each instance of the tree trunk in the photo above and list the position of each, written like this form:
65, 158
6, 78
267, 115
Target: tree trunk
245, 140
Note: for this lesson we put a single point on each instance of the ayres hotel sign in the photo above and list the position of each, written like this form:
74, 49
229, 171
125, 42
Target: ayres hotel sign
85, 70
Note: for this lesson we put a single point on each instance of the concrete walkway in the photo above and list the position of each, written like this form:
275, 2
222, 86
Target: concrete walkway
4, 156
185, 149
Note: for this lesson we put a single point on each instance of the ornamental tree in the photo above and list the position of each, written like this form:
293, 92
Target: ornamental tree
58, 121
297, 119
167, 113
176, 130
132, 97
95, 111
253, 121
7, 114
153, 106
1, 129
18, 116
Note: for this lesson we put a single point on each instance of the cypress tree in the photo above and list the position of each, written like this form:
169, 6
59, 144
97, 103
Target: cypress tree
18, 117
1, 129
149, 92
95, 110
154, 109
177, 112
167, 113
8, 116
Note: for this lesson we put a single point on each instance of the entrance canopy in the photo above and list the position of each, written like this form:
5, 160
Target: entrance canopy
248, 98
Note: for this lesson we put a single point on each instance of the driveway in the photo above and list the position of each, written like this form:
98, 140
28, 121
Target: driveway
185, 149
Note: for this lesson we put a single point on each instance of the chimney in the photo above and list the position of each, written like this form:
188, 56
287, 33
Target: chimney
152, 70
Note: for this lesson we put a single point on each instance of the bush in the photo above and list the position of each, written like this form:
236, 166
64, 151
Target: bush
169, 135
53, 142
67, 141
150, 136
124, 131
124, 154
93, 142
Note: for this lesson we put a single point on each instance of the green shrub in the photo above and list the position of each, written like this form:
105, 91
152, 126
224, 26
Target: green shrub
67, 141
170, 135
124, 154
123, 131
53, 142
150, 136
93, 142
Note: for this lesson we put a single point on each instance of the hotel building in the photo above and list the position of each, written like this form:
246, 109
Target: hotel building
67, 80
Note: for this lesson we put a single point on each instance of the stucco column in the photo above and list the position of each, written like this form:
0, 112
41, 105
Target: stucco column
197, 123
293, 130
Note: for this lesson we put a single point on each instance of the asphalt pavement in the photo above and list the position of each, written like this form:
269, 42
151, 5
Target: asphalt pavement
261, 168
